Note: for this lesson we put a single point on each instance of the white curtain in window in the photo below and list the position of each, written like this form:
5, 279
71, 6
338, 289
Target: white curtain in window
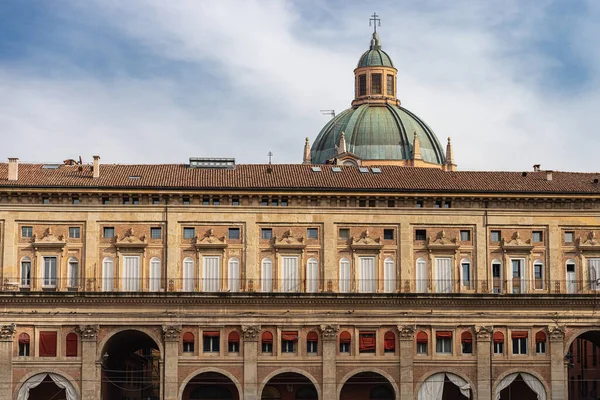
571, 277
26, 272
233, 275
49, 272
594, 269
389, 276
504, 383
443, 279
131, 273
188, 275
154, 274
312, 275
535, 385
366, 275
289, 274
421, 276
73, 272
36, 380
211, 274
108, 275
465, 388
432, 388
344, 275
267, 275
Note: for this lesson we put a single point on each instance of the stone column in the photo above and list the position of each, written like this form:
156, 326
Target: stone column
407, 346
484, 354
90, 381
558, 372
251, 336
7, 335
329, 382
171, 335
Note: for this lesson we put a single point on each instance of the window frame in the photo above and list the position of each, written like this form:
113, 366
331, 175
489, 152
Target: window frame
493, 233
108, 232
388, 234
26, 231
467, 233
537, 233
187, 231
266, 233
234, 233
74, 232
211, 344
571, 234
344, 233
312, 233
421, 234
376, 83
153, 231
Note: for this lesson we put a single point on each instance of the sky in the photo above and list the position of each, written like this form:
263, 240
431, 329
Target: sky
513, 83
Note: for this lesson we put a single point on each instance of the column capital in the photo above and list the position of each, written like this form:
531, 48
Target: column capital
329, 332
251, 332
557, 333
483, 333
88, 332
407, 332
7, 332
171, 333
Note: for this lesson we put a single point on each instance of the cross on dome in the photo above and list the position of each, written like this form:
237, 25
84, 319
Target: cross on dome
375, 19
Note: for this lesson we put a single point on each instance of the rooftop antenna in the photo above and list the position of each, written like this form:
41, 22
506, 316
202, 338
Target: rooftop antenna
328, 112
270, 154
375, 19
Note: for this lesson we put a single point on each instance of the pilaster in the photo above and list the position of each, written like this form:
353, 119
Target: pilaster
484, 367
7, 335
558, 372
329, 340
251, 335
407, 335
171, 335
90, 388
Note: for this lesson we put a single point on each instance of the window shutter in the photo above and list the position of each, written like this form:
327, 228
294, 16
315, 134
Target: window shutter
344, 275
233, 275
312, 276
188, 275
389, 276
108, 275
367, 342
267, 275
47, 344
155, 274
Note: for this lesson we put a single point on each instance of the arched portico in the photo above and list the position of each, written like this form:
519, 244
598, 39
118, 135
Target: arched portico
290, 384
520, 385
47, 385
582, 356
210, 384
368, 383
445, 385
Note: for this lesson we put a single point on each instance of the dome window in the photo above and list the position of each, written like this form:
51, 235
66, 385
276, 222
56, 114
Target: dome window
362, 85
389, 85
376, 84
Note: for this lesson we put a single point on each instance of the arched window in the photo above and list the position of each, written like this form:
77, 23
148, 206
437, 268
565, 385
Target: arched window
154, 274
389, 342
466, 341
498, 343
188, 274
466, 274
421, 276
312, 275
24, 344
540, 342
233, 342
312, 341
344, 275
188, 342
267, 275
25, 272
538, 274
496, 276
73, 273
422, 342
267, 342
345, 340
108, 274
72, 345
571, 277
389, 275
233, 275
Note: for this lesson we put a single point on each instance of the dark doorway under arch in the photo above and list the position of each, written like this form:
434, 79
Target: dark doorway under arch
584, 366
47, 390
518, 390
367, 385
289, 386
210, 386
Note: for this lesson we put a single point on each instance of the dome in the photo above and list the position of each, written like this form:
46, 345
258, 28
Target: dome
377, 132
375, 57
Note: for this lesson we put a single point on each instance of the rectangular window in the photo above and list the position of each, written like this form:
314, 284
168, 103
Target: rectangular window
288, 341
375, 83
274, 202
367, 342
362, 85
465, 236
47, 344
210, 342
497, 278
45, 200
362, 202
569, 237
266, 233
155, 200
211, 272
538, 275
391, 203
267, 347
105, 201
390, 85
135, 200
186, 201
25, 273
289, 273
234, 233
205, 201
438, 204
74, 232
75, 200
498, 347
344, 347
467, 347
388, 234
156, 233
344, 233
466, 275
26, 231
284, 202
367, 275
419, 203
540, 347
233, 347
519, 345
537, 236
108, 232
131, 274
189, 233
443, 272
447, 204
443, 343
126, 200
49, 278
216, 201
420, 234
372, 203
495, 236
421, 347
264, 201
312, 233
235, 201
518, 283
24, 347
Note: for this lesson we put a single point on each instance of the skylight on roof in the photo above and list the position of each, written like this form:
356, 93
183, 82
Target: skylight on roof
50, 166
376, 170
135, 177
336, 169
316, 169
364, 170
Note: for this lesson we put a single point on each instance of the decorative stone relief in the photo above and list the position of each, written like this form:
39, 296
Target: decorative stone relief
329, 332
251, 332
210, 241
483, 332
516, 243
365, 241
171, 333
589, 243
7, 332
87, 332
288, 241
130, 240
407, 332
48, 241
557, 332
441, 241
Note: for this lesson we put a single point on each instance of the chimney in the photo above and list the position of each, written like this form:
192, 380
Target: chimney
536, 167
306, 158
13, 169
548, 176
96, 166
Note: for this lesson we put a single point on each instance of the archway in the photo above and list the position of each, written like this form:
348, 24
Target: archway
130, 366
367, 385
210, 386
445, 386
289, 386
520, 386
47, 386
584, 366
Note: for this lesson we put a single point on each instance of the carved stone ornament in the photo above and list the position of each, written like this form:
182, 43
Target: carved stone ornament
557, 332
483, 332
406, 332
516, 243
7, 332
48, 240
365, 241
171, 333
329, 332
130, 240
289, 241
251, 332
590, 244
87, 332
441, 241
210, 241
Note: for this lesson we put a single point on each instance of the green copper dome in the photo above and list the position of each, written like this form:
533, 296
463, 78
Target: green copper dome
377, 132
375, 57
